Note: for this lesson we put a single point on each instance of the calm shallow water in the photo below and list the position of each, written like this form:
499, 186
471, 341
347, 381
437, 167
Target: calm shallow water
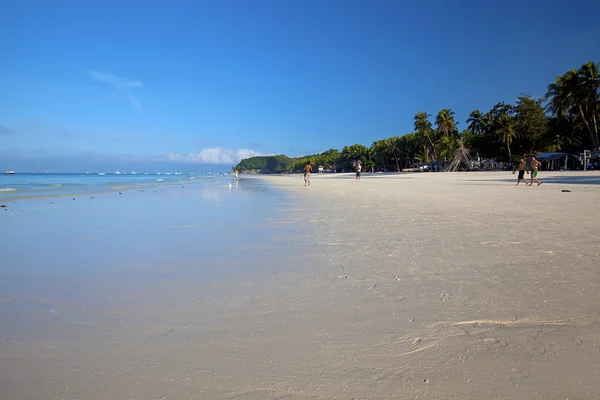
64, 257
34, 185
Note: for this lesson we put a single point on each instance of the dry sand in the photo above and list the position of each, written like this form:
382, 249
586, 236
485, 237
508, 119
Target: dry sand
429, 286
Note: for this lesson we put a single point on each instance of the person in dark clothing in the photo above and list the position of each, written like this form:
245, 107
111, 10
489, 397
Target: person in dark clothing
521, 168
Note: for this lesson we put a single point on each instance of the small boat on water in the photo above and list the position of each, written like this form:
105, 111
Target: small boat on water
9, 173
101, 173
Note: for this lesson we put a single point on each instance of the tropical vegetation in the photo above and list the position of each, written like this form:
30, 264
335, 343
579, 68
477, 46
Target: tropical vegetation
566, 119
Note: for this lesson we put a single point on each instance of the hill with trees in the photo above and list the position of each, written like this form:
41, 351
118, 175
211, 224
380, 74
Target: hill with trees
566, 119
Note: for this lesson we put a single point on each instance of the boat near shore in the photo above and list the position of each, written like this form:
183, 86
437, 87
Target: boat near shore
9, 173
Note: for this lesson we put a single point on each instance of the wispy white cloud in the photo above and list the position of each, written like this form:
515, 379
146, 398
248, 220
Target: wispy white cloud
135, 102
6, 131
123, 85
214, 155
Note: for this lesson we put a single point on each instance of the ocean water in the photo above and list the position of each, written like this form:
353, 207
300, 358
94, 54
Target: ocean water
127, 239
35, 185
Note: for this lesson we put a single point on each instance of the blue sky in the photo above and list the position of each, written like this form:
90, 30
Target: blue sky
135, 84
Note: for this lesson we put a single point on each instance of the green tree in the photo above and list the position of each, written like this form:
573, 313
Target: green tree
475, 121
590, 74
380, 152
562, 135
531, 124
423, 134
409, 147
505, 127
446, 147
577, 93
353, 153
394, 145
499, 130
445, 121
266, 164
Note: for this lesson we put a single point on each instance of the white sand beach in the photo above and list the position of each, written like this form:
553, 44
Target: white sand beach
453, 286
429, 286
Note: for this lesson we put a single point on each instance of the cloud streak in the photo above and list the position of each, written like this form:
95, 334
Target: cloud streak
123, 85
214, 155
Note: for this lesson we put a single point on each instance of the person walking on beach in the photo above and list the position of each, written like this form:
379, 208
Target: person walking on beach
535, 164
521, 168
358, 171
307, 171
237, 175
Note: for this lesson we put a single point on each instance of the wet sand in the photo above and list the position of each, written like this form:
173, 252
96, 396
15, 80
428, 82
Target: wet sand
433, 286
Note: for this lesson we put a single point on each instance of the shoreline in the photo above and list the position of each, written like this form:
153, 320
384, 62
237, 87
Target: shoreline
8, 197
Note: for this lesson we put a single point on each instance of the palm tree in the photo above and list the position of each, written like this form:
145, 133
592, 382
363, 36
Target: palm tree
505, 127
487, 122
408, 146
577, 92
423, 127
475, 122
590, 76
445, 121
394, 146
422, 122
446, 147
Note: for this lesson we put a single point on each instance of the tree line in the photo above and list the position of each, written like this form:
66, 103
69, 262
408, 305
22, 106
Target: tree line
566, 119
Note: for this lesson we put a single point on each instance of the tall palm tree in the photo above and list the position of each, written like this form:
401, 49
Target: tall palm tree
590, 76
423, 128
422, 122
576, 92
505, 127
394, 146
488, 122
475, 121
445, 121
